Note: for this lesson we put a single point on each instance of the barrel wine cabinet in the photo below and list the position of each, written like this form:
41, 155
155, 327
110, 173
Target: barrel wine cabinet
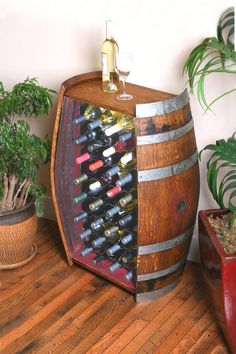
167, 181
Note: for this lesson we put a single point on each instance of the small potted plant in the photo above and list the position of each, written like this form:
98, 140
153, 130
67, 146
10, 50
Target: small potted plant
21, 153
217, 228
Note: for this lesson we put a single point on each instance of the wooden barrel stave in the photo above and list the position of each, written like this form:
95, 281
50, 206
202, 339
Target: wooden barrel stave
168, 192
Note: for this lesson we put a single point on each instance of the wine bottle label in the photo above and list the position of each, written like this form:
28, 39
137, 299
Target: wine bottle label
96, 165
113, 250
82, 215
82, 158
125, 136
113, 191
80, 198
114, 267
129, 275
86, 251
111, 231
95, 185
82, 178
126, 158
112, 130
98, 241
108, 152
125, 220
96, 204
112, 171
126, 200
84, 234
104, 64
124, 180
113, 211
126, 239
93, 125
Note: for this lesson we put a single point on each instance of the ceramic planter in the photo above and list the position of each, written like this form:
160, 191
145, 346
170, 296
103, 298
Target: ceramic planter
17, 231
219, 271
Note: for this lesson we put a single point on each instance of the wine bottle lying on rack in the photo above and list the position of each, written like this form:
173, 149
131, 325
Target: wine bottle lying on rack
127, 260
123, 122
107, 118
104, 162
91, 113
119, 147
126, 162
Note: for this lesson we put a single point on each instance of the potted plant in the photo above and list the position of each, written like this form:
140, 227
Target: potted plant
21, 153
217, 228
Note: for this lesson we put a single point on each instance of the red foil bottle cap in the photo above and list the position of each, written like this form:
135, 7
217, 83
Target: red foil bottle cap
80, 159
119, 146
113, 191
96, 165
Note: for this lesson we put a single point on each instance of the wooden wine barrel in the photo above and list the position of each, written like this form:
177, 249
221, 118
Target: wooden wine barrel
168, 191
167, 184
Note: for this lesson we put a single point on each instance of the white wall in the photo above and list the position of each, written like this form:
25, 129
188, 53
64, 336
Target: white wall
54, 40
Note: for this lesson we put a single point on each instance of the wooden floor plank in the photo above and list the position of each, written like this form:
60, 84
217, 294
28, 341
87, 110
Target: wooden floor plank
43, 312
47, 307
46, 329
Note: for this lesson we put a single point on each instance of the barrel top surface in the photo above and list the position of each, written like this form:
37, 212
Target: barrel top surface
88, 88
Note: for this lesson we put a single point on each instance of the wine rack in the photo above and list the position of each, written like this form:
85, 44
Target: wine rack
162, 187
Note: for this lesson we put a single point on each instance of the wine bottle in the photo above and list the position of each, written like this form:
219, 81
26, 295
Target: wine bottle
90, 113
102, 181
89, 136
126, 240
106, 119
130, 261
116, 209
97, 203
87, 156
127, 162
85, 214
92, 174
126, 178
119, 147
113, 230
85, 195
110, 79
123, 122
110, 160
129, 201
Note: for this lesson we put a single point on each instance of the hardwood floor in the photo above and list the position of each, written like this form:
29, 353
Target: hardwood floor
47, 307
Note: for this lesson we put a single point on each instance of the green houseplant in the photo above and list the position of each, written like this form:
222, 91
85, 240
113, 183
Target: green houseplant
214, 55
21, 153
217, 227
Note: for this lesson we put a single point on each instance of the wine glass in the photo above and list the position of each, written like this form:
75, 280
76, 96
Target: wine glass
123, 67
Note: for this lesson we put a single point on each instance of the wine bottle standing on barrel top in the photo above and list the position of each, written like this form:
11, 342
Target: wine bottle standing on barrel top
110, 79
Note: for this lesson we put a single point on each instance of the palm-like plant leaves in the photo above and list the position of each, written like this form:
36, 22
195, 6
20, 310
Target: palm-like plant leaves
213, 55
221, 172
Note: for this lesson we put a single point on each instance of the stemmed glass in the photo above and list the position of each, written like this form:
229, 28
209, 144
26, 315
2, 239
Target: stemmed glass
123, 67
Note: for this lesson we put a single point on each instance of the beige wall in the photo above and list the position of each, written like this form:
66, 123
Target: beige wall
54, 40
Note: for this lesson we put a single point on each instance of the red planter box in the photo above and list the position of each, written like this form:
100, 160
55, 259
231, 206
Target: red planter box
219, 271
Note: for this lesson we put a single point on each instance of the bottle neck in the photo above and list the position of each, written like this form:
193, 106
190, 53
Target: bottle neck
109, 29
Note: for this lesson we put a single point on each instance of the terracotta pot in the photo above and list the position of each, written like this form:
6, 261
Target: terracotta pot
219, 271
17, 231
